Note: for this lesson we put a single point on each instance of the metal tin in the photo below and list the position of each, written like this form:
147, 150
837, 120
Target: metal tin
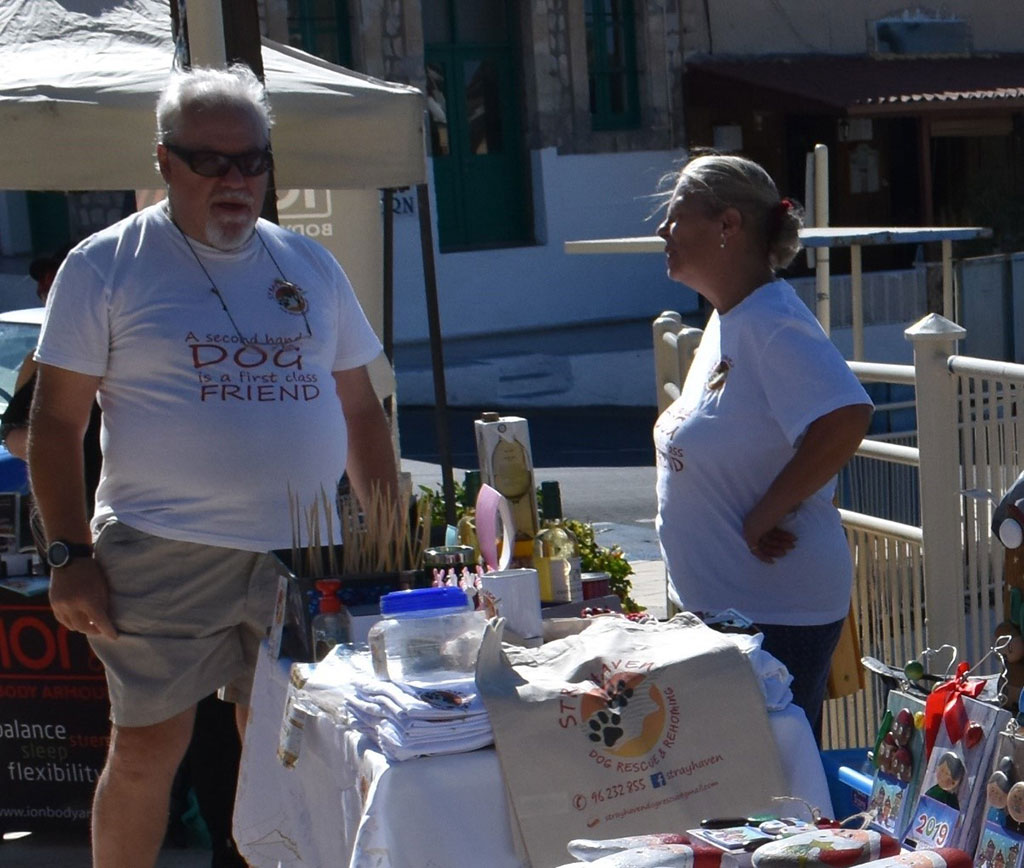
596, 585
443, 557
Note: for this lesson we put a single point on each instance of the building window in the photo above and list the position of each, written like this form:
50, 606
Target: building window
611, 61
478, 152
321, 27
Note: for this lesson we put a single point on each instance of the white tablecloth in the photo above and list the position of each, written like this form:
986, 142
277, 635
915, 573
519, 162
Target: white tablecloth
344, 804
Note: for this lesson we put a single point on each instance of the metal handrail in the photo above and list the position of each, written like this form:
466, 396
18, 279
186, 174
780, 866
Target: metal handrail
882, 526
878, 372
894, 452
974, 367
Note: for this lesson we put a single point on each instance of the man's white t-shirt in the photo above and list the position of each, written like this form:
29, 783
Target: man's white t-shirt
212, 411
762, 373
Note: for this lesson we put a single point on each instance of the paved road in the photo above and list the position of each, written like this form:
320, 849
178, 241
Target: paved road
559, 437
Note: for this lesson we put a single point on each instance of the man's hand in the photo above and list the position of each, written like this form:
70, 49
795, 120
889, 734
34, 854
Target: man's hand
79, 597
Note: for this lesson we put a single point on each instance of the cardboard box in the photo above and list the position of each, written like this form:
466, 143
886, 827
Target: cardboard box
506, 464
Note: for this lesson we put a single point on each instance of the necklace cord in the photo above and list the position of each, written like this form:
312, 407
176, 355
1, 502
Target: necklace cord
216, 291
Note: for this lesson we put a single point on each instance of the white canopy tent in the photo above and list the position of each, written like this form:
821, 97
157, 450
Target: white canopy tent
79, 81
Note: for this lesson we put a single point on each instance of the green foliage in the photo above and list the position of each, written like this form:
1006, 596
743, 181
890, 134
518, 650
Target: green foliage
595, 558
437, 505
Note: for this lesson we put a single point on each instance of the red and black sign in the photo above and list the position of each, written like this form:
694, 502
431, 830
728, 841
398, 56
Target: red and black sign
54, 724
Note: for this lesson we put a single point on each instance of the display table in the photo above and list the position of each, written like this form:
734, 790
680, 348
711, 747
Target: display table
344, 804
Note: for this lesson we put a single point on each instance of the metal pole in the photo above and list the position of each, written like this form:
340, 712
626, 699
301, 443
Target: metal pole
388, 288
206, 33
857, 302
388, 302
823, 302
948, 309
436, 354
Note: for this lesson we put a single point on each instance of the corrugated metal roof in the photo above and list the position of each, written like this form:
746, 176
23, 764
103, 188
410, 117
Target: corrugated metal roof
865, 85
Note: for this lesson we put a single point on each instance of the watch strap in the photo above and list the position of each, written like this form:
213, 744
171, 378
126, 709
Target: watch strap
61, 552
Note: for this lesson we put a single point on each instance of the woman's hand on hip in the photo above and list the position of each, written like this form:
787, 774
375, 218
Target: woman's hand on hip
767, 544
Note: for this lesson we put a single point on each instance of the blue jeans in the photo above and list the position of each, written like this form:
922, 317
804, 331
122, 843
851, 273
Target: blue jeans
807, 653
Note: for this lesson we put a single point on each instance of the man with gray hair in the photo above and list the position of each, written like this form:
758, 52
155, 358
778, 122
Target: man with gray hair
229, 358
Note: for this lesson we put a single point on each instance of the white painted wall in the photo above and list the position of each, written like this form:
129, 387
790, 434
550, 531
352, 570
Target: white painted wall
539, 287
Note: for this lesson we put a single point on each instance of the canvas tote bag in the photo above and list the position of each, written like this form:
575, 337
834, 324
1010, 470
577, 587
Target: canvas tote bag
626, 729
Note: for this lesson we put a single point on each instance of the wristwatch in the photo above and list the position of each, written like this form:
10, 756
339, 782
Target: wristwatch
60, 553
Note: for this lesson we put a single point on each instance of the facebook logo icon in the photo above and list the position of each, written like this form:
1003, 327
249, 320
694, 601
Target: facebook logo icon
657, 780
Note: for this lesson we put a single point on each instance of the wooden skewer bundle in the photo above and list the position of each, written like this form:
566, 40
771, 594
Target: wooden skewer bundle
382, 538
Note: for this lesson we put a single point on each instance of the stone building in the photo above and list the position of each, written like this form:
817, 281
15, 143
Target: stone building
554, 120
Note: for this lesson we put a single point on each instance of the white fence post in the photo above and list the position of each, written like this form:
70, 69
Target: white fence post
666, 359
934, 339
674, 345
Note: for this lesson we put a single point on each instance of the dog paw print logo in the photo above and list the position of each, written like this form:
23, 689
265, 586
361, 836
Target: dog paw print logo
626, 717
605, 726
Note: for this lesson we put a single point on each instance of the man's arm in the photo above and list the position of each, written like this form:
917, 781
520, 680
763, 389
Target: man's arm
370, 453
60, 414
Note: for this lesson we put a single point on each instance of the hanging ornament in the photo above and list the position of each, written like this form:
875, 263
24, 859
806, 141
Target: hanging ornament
999, 783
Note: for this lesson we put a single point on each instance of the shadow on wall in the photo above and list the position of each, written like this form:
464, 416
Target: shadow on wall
17, 291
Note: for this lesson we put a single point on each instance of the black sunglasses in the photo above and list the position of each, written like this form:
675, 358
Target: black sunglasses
214, 164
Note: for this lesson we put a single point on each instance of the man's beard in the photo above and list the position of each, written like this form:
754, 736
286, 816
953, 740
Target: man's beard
229, 234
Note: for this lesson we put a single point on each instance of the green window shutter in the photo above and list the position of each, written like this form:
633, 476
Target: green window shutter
321, 27
611, 61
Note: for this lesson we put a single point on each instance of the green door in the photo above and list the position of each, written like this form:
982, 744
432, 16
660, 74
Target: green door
477, 149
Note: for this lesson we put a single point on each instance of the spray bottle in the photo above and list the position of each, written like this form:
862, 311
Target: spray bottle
329, 627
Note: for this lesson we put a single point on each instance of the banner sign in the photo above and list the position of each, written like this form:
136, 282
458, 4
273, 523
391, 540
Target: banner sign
54, 725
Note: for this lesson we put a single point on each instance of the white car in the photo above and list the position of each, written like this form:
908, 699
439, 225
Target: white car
19, 331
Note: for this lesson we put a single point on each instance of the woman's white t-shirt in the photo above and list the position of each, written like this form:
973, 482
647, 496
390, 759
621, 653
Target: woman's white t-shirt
762, 373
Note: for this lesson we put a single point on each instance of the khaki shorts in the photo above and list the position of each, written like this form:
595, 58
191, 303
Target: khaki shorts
190, 620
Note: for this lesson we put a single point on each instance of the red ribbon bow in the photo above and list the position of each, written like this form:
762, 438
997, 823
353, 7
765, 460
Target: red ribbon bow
945, 705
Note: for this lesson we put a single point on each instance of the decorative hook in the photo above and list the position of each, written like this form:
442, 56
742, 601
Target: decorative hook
812, 810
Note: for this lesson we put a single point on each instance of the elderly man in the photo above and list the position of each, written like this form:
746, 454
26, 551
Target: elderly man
229, 359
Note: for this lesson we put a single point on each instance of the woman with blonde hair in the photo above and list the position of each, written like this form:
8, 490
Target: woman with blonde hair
769, 413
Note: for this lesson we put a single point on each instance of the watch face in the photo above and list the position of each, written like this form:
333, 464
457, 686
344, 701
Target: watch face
57, 554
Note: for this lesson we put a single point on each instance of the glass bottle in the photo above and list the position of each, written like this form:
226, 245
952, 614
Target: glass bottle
466, 527
556, 552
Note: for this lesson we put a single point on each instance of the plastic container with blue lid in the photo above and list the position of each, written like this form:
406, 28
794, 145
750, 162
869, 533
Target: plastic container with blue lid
424, 602
426, 635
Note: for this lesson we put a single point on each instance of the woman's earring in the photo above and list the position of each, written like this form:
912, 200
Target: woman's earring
722, 245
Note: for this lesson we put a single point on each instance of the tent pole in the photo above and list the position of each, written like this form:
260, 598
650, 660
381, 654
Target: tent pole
241, 22
437, 357
223, 32
388, 299
388, 293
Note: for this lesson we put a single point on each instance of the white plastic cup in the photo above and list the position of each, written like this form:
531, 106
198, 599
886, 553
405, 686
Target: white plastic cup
515, 596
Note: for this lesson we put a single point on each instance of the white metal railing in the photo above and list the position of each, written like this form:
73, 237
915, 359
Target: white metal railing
991, 456
889, 609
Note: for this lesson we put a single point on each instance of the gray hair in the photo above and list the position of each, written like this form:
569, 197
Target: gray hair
206, 89
723, 181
